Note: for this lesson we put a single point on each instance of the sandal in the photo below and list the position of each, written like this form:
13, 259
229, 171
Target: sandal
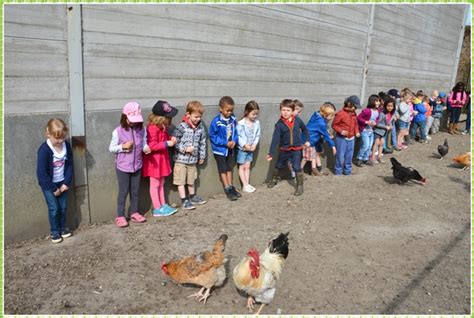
121, 221
137, 217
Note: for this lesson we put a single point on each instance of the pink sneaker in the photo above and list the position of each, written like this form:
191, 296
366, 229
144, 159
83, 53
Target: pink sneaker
121, 221
137, 218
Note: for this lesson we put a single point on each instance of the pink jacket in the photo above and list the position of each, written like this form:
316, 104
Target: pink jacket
459, 100
157, 163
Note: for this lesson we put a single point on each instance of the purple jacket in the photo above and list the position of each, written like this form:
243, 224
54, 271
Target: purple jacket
130, 161
363, 117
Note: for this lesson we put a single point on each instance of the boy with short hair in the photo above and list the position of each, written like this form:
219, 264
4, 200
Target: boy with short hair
224, 137
288, 135
190, 149
346, 128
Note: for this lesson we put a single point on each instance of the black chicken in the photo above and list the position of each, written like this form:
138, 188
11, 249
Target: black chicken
405, 174
443, 149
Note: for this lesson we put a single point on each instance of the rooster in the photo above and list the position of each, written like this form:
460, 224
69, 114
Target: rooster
257, 274
405, 174
206, 269
464, 160
443, 149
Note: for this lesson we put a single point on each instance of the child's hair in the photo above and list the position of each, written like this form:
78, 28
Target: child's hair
327, 109
226, 100
124, 123
194, 107
420, 93
160, 121
382, 95
405, 91
57, 128
388, 100
372, 100
298, 103
459, 87
250, 106
288, 103
426, 99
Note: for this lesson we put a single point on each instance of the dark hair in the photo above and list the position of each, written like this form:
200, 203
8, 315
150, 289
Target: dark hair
371, 101
420, 93
124, 123
387, 100
330, 104
459, 87
288, 103
382, 94
250, 106
298, 103
226, 100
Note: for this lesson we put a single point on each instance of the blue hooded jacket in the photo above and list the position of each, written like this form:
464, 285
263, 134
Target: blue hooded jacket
218, 134
317, 128
420, 108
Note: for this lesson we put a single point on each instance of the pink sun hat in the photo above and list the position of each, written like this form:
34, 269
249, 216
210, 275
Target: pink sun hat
133, 112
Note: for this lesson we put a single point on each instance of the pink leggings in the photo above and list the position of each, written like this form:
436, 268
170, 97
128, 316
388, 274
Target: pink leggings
157, 191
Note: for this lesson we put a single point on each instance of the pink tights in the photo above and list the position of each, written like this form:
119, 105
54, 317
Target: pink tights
157, 191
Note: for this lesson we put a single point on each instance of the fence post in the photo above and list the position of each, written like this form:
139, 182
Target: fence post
367, 53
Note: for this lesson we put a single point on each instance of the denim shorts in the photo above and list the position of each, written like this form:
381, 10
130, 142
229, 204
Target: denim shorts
403, 124
244, 156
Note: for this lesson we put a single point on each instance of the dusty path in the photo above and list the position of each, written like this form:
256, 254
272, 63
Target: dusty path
358, 245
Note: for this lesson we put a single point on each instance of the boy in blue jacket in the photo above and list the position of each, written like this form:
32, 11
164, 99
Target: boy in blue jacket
419, 120
223, 136
288, 137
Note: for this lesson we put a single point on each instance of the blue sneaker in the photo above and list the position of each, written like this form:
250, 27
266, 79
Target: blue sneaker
165, 210
158, 211
56, 238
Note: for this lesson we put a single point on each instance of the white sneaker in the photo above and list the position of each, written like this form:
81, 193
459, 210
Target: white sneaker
428, 138
252, 187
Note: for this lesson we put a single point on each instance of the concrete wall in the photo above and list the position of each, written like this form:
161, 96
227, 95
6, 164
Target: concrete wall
311, 52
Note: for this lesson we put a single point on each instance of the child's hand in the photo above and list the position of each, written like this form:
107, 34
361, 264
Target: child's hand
231, 144
201, 161
306, 144
389, 127
415, 112
269, 158
146, 150
171, 142
64, 188
57, 193
334, 151
189, 149
344, 133
127, 146
357, 135
444, 108
253, 147
247, 147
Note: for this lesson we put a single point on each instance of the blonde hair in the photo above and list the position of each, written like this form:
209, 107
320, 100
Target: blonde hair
160, 121
326, 110
57, 128
194, 107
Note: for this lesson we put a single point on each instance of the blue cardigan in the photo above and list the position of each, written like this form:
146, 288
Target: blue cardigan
218, 134
420, 108
317, 128
44, 167
286, 138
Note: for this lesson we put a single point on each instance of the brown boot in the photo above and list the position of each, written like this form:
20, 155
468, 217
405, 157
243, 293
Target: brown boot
451, 129
315, 172
299, 183
455, 129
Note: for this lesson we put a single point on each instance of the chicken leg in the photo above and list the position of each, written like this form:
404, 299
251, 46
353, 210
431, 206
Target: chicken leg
259, 309
250, 303
200, 296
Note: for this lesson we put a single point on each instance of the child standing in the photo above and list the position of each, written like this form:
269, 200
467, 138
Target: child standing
308, 152
54, 170
382, 128
223, 136
346, 128
419, 121
318, 132
248, 130
367, 119
403, 116
428, 114
439, 107
127, 144
190, 149
288, 136
457, 100
156, 163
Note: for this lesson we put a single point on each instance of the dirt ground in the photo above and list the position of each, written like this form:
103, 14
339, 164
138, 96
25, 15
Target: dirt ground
358, 245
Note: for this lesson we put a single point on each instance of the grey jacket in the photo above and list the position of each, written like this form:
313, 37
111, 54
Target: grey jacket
187, 136
381, 127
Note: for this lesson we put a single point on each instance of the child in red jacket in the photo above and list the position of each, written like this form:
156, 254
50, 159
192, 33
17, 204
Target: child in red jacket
156, 164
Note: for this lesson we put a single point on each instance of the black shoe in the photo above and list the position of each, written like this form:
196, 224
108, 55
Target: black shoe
66, 233
387, 150
230, 195
235, 192
358, 163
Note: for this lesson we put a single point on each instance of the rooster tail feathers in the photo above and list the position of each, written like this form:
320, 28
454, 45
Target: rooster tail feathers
220, 243
280, 245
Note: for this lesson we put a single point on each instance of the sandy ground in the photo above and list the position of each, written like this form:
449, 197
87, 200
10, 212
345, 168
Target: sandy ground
358, 245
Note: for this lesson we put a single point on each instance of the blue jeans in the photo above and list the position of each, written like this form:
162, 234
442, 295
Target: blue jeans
468, 119
57, 210
294, 156
367, 137
345, 151
414, 128
393, 132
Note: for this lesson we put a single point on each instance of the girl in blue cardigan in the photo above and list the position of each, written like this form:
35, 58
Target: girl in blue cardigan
54, 170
